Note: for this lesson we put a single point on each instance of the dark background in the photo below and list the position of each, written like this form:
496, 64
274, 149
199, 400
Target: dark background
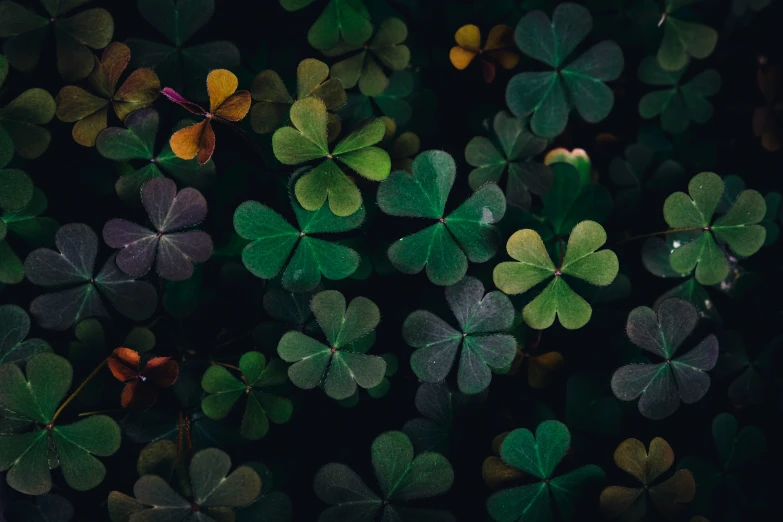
79, 184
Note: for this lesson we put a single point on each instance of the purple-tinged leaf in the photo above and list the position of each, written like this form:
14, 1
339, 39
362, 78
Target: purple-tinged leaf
180, 100
77, 245
170, 211
135, 300
137, 245
176, 251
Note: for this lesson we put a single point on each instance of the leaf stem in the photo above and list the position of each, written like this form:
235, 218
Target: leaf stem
79, 389
225, 365
661, 233
88, 413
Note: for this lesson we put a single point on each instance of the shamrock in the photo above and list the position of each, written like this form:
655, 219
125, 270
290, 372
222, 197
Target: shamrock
76, 35
721, 485
518, 146
307, 140
89, 111
401, 148
25, 223
738, 228
634, 175
362, 68
19, 120
137, 142
274, 101
73, 267
752, 377
733, 187
683, 39
141, 380
346, 20
668, 496
538, 456
681, 103
35, 399
271, 505
213, 494
224, 390
497, 49
226, 105
550, 96
445, 247
483, 320
172, 249
273, 239
663, 385
179, 66
533, 266
768, 119
14, 327
337, 366
380, 390
16, 187
401, 478
590, 405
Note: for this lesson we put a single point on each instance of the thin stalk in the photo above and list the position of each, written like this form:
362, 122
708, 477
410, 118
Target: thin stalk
661, 233
88, 413
79, 389
225, 365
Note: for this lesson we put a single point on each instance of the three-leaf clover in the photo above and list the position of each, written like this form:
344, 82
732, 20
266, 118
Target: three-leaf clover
34, 399
497, 49
579, 84
663, 385
224, 390
401, 476
445, 247
142, 380
90, 111
645, 466
518, 146
75, 34
308, 140
533, 266
73, 268
752, 376
634, 175
20, 120
680, 103
738, 228
346, 20
34, 230
14, 327
180, 66
483, 320
137, 142
274, 101
362, 68
214, 493
683, 39
172, 249
336, 365
538, 456
273, 239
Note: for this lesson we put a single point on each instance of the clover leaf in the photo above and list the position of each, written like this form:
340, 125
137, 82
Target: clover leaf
738, 228
273, 239
14, 327
180, 66
271, 505
579, 84
393, 102
16, 188
362, 68
84, 293
308, 140
337, 366
680, 103
518, 146
753, 377
465, 234
401, 148
34, 398
663, 385
533, 266
401, 478
668, 496
214, 493
20, 120
483, 320
683, 39
538, 455
274, 101
75, 34
497, 49
733, 187
590, 405
722, 484
34, 230
224, 390
346, 20
171, 246
634, 175
90, 111
137, 142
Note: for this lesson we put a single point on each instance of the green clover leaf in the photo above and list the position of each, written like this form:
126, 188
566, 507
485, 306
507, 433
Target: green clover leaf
635, 177
579, 84
14, 327
34, 399
19, 124
341, 19
534, 266
466, 234
683, 39
34, 230
338, 366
